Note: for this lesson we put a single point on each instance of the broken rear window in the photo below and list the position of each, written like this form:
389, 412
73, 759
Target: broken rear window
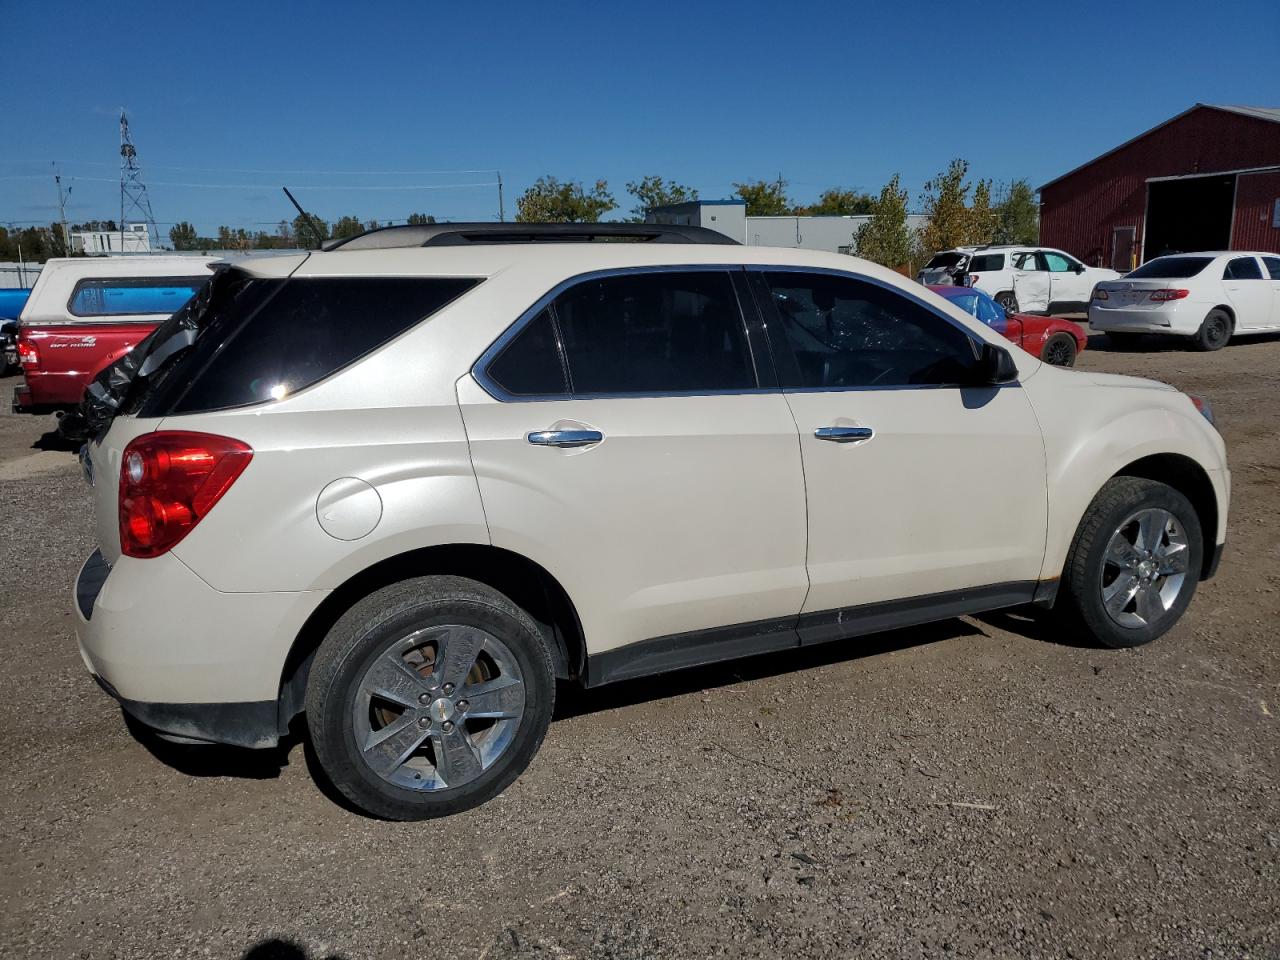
305, 330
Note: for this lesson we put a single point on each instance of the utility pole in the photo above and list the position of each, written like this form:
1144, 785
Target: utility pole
62, 211
133, 192
502, 212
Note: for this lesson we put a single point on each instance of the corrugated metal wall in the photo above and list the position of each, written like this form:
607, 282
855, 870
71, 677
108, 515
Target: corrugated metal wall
1079, 212
1256, 197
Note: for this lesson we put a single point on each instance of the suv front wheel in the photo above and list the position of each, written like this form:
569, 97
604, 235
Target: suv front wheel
429, 697
1134, 562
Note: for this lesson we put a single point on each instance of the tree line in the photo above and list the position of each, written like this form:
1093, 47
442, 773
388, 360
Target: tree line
306, 231
959, 211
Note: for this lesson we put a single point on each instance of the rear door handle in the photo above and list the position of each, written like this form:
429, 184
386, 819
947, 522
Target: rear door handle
565, 438
844, 434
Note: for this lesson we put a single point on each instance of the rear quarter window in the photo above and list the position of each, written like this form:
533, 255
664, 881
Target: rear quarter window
303, 331
132, 296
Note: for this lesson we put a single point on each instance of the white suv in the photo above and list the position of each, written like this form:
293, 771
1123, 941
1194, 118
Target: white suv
406, 484
1020, 279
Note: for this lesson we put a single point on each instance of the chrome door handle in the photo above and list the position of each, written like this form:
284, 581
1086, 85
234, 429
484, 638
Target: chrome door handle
565, 438
844, 434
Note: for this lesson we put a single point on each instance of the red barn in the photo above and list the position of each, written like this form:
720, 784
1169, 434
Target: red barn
1209, 179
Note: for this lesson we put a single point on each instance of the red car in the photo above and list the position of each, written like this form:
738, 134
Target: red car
87, 312
1052, 339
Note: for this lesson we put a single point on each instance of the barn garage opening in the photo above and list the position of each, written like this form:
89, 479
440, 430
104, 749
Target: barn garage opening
1188, 214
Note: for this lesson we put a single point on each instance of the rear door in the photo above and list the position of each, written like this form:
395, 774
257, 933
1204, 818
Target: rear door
1030, 282
623, 438
918, 487
1249, 293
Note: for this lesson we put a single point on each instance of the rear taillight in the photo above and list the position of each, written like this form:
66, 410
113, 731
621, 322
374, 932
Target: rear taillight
1100, 294
28, 355
971, 280
169, 480
1162, 296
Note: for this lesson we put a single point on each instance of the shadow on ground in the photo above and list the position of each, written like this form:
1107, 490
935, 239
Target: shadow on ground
280, 949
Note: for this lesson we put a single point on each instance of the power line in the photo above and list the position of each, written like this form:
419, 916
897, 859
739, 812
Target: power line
352, 173
273, 186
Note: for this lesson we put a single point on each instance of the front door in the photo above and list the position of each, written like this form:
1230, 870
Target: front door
1249, 293
621, 439
918, 487
1030, 283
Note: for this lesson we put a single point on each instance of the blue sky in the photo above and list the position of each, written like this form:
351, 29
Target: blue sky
333, 99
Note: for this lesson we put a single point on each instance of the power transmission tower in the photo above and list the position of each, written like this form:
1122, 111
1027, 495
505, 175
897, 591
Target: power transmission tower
133, 192
62, 211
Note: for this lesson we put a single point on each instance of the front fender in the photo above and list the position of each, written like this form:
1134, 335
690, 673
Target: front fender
1092, 433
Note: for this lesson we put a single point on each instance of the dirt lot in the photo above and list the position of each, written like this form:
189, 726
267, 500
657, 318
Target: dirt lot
971, 789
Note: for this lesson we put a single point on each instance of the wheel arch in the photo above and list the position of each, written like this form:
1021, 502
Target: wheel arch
528, 584
1189, 479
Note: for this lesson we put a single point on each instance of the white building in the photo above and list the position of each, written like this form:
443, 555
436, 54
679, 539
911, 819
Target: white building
831, 233
135, 238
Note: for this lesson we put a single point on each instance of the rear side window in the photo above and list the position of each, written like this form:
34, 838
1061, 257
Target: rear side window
531, 365
1242, 268
1171, 268
306, 330
131, 296
1273, 266
1026, 261
986, 262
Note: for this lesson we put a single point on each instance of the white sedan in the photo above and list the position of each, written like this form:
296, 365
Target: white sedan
1210, 297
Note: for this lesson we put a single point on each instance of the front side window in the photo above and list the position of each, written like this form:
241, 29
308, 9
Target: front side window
1242, 268
647, 333
1273, 266
1057, 263
846, 333
132, 296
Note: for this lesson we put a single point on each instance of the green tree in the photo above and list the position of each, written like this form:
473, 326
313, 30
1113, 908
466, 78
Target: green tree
839, 202
653, 191
346, 227
885, 238
1017, 214
183, 236
765, 198
982, 216
418, 219
946, 204
550, 201
310, 231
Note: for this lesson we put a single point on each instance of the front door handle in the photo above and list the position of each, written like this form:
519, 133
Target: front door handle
844, 434
565, 438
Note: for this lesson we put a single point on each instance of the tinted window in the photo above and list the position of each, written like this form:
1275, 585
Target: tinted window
1273, 266
654, 333
304, 331
1171, 268
132, 295
849, 333
530, 364
987, 262
1242, 268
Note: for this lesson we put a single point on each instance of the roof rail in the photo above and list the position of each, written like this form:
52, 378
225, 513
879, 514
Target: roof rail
461, 234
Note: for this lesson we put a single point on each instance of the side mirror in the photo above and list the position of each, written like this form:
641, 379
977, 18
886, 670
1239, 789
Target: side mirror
1078, 268
995, 365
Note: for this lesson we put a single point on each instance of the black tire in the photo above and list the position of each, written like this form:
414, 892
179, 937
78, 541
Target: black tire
1080, 603
371, 629
1059, 350
1124, 341
1007, 300
1215, 331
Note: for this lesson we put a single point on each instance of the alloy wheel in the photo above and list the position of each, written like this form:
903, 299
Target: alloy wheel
1143, 568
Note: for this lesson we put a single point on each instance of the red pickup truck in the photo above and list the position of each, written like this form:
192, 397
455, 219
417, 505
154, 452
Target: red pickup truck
86, 312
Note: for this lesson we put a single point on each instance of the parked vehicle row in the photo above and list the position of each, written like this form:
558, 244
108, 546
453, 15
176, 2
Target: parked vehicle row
404, 485
86, 312
12, 300
1052, 339
1207, 297
1022, 279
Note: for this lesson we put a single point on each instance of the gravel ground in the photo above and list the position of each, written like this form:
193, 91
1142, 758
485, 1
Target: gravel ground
971, 788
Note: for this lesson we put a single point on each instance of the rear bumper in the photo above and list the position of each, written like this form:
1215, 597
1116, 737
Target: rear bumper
183, 658
1176, 318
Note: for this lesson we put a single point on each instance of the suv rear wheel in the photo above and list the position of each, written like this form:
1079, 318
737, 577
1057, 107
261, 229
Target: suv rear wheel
1133, 566
429, 697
